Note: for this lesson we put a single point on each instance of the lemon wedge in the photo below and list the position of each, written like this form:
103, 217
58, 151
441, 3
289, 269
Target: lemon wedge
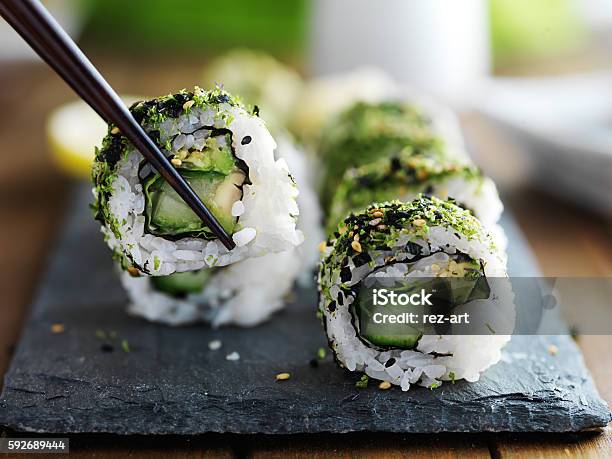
73, 132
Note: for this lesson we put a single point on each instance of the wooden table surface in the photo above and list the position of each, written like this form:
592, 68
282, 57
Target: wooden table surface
567, 240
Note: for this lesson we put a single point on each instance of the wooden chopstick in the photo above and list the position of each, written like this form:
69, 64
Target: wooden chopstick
40, 30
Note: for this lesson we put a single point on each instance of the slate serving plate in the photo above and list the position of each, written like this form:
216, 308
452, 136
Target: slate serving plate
169, 382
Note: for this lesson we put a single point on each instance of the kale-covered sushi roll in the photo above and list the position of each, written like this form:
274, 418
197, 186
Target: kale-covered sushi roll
241, 293
407, 174
226, 154
425, 240
367, 132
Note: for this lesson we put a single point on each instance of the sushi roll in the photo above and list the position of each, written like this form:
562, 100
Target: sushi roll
366, 132
227, 155
425, 238
407, 174
239, 294
260, 80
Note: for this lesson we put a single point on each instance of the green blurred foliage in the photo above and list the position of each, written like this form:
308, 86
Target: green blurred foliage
531, 29
278, 26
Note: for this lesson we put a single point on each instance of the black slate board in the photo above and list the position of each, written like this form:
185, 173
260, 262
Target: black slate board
170, 383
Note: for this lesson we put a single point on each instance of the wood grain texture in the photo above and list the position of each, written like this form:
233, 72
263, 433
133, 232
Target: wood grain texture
584, 446
370, 446
111, 447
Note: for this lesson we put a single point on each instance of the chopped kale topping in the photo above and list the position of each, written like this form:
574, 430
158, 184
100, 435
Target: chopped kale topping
363, 382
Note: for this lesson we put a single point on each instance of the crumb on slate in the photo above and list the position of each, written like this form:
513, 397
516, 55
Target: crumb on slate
384, 385
552, 349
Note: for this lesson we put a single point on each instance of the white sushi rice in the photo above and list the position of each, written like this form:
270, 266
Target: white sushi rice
243, 294
471, 355
268, 209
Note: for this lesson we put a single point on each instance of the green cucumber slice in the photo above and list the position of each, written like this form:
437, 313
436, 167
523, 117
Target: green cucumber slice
181, 284
169, 215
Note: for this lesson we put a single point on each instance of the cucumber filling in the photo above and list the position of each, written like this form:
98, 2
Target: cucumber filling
184, 283
452, 280
215, 177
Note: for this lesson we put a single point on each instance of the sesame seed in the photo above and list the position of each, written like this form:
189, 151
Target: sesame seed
377, 214
552, 349
115, 130
232, 357
57, 328
384, 385
381, 227
419, 222
214, 345
322, 246
283, 376
375, 222
356, 246
188, 104
356, 238
133, 271
177, 162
